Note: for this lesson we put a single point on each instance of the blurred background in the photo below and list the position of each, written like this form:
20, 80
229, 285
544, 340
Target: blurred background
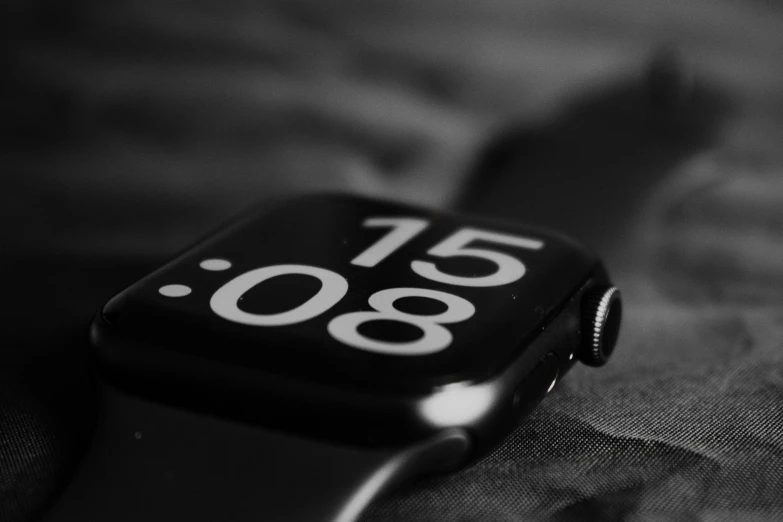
651, 131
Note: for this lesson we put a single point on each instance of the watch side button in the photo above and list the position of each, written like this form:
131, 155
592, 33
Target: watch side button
537, 383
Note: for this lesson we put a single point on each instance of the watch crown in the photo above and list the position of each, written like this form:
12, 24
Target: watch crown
601, 315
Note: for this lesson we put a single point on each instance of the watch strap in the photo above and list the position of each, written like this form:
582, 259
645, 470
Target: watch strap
153, 462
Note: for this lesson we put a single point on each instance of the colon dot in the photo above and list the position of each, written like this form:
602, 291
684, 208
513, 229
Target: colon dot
174, 290
215, 265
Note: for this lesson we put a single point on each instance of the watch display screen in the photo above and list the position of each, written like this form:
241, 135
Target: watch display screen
340, 289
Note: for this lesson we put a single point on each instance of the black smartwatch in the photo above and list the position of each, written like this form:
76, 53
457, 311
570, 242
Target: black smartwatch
311, 356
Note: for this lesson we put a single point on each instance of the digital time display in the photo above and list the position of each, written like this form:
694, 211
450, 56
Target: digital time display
347, 290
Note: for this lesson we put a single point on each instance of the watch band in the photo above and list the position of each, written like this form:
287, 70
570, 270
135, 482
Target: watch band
153, 462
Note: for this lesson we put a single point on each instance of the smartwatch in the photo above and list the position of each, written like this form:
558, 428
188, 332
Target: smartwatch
311, 356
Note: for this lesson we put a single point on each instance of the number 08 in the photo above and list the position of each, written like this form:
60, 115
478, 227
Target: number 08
345, 327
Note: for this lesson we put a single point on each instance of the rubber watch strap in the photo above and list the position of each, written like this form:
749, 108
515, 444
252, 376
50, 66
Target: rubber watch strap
155, 463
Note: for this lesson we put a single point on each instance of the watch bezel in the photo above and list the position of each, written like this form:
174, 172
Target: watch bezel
342, 411
327, 412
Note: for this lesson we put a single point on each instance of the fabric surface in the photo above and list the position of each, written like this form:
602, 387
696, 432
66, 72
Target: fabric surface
686, 422
135, 128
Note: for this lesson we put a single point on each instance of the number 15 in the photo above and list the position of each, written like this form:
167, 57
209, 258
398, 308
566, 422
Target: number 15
509, 269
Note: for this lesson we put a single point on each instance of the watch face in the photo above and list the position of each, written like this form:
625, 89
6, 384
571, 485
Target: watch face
356, 293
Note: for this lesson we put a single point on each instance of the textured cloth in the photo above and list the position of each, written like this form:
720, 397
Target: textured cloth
686, 421
134, 128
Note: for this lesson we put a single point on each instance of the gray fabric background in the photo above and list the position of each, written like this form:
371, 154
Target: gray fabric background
133, 128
